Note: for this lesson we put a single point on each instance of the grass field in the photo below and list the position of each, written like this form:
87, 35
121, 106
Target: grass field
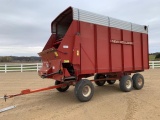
152, 57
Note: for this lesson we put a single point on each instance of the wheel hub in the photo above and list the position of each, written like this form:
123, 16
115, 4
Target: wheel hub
140, 82
86, 91
128, 84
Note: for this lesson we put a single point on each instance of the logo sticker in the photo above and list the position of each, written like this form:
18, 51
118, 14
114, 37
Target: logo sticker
121, 42
65, 46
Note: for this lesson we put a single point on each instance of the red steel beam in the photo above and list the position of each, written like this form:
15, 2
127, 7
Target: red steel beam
28, 91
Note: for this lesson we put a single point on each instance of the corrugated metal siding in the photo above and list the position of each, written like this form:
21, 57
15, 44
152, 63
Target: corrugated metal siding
75, 14
90, 17
139, 28
93, 18
120, 24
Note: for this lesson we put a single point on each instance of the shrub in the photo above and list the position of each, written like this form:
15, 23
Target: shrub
157, 56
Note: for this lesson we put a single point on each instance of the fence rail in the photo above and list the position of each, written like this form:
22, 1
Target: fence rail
36, 66
154, 64
20, 67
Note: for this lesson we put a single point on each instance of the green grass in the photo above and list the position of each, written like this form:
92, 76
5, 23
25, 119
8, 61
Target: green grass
152, 57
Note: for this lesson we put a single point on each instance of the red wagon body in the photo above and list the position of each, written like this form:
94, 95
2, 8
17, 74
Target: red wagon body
83, 43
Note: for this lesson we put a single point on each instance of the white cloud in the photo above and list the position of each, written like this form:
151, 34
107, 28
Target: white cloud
20, 51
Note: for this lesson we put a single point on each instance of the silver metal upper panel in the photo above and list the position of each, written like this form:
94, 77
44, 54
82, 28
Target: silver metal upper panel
75, 13
120, 24
139, 28
90, 17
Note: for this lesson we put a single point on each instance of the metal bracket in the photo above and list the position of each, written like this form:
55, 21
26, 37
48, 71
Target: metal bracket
46, 75
5, 97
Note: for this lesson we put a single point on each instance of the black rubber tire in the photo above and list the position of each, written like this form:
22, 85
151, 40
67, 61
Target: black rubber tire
81, 87
100, 76
138, 81
126, 83
111, 82
61, 89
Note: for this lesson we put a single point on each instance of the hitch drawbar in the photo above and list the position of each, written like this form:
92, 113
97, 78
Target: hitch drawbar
28, 91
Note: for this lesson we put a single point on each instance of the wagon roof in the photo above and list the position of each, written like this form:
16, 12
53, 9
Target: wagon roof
86, 16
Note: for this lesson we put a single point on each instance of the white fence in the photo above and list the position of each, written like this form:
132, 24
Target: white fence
154, 64
20, 67
36, 66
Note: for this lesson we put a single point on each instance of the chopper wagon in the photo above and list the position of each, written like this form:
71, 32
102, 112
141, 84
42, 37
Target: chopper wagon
83, 44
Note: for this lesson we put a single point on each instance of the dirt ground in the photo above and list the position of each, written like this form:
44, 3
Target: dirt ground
108, 102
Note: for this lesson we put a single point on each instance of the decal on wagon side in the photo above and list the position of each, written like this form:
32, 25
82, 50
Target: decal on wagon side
121, 42
56, 54
66, 61
65, 46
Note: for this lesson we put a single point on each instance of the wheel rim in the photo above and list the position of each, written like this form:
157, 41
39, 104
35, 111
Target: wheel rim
128, 84
86, 91
140, 81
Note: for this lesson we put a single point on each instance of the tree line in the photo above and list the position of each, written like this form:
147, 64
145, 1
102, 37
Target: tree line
157, 55
19, 59
37, 59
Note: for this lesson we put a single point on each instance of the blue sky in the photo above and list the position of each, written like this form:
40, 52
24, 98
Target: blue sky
25, 24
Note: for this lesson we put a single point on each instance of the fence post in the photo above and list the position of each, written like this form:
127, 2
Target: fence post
152, 64
5, 69
37, 67
21, 68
